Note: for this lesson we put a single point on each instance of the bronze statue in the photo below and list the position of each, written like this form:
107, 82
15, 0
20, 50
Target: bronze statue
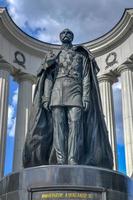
67, 125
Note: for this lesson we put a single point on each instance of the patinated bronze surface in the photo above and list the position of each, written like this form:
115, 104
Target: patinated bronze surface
67, 124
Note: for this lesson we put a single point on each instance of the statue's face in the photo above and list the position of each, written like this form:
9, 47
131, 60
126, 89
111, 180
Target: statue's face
66, 36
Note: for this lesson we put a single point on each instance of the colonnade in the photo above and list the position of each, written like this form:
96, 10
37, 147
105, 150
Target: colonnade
25, 96
26, 82
4, 93
126, 76
125, 72
105, 85
23, 109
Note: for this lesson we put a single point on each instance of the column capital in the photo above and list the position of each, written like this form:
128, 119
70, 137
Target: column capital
125, 67
21, 76
110, 77
5, 66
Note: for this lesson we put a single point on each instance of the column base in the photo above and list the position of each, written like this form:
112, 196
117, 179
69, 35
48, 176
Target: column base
66, 182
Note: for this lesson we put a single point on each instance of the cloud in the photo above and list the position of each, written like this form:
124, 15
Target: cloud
117, 86
11, 114
15, 97
87, 19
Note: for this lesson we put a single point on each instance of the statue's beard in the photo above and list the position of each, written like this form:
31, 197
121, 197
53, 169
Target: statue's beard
66, 39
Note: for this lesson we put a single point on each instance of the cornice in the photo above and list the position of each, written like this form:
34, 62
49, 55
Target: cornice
22, 38
97, 46
114, 36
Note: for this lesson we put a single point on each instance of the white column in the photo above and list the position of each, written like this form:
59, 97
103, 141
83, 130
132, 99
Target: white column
23, 110
105, 84
33, 90
127, 108
4, 92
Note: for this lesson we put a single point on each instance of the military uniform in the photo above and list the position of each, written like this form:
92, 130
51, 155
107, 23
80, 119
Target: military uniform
66, 93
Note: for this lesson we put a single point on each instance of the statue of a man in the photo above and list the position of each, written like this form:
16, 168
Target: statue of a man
67, 119
67, 95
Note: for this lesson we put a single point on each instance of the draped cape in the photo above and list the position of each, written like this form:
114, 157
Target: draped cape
96, 150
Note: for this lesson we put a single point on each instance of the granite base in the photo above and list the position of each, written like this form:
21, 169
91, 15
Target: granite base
66, 183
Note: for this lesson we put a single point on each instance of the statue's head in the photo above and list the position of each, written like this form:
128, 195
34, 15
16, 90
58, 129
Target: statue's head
66, 36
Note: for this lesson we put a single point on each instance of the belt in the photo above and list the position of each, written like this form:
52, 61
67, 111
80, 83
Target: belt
69, 76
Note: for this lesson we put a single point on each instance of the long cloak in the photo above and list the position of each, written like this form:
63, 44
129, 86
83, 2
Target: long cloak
38, 148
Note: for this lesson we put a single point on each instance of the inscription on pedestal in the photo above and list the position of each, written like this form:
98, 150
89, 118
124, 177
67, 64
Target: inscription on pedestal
65, 195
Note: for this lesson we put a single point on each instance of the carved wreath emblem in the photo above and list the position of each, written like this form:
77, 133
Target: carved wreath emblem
19, 58
111, 59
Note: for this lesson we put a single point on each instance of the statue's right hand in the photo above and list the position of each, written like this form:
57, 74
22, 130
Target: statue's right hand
46, 105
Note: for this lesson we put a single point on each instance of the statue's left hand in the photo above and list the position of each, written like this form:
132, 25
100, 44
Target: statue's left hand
51, 58
86, 105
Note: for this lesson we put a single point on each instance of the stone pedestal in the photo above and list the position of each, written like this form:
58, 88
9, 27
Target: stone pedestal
66, 182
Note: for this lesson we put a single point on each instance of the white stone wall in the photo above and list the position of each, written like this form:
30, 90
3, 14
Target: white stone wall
7, 51
123, 52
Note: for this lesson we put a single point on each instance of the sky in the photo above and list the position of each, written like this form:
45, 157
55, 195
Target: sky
44, 20
12, 109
